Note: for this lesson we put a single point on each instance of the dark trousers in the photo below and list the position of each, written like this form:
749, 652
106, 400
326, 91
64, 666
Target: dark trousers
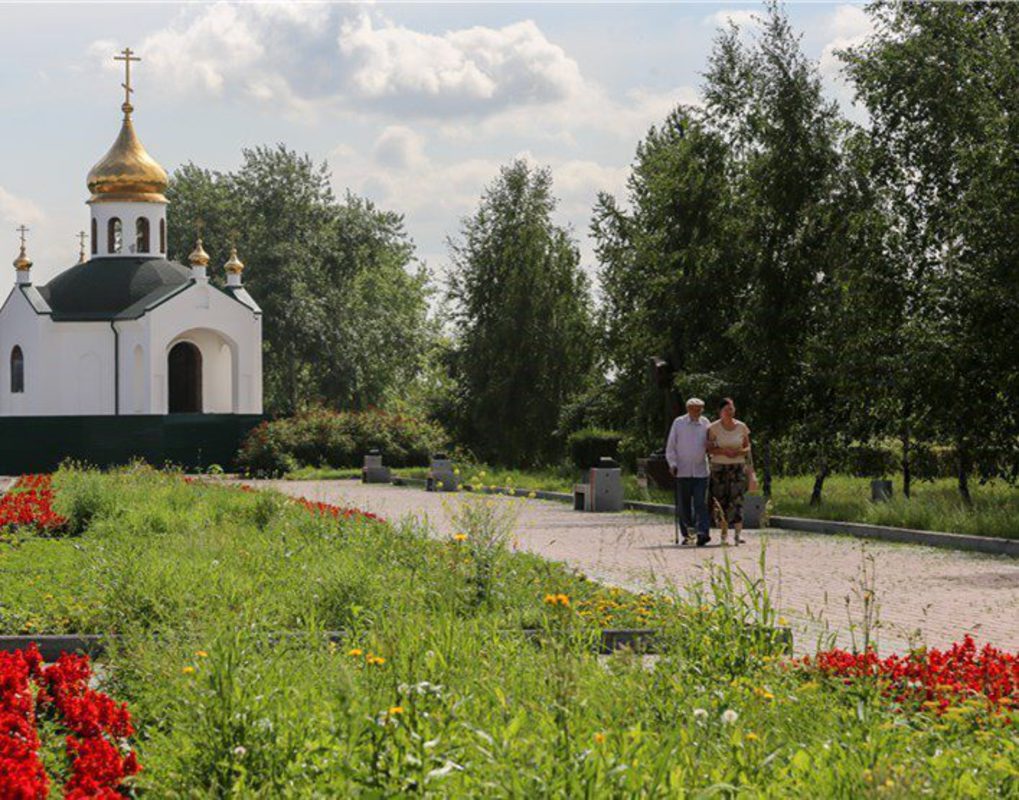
692, 494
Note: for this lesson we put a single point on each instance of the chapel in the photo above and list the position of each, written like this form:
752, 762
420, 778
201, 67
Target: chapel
126, 332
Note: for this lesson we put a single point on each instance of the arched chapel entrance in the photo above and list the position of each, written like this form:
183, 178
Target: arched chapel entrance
185, 371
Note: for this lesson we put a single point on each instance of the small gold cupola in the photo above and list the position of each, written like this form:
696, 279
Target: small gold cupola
234, 266
22, 263
127, 172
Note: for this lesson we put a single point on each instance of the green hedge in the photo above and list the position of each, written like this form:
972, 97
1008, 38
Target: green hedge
321, 438
590, 444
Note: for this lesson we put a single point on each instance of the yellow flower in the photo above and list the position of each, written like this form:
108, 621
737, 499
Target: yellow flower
783, 621
599, 738
395, 710
201, 654
188, 670
357, 651
752, 737
375, 661
563, 599
460, 537
550, 599
532, 495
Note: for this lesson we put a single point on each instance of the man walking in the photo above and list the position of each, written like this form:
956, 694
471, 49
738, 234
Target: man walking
686, 452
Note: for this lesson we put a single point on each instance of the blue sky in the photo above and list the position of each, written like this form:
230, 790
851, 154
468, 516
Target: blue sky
412, 105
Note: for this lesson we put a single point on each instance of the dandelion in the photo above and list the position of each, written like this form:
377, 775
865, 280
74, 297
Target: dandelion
375, 661
201, 654
394, 710
357, 651
752, 737
729, 716
188, 670
700, 713
460, 537
532, 495
783, 621
599, 738
240, 751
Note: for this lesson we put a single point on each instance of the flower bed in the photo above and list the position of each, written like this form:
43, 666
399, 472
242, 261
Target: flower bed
933, 680
30, 504
96, 728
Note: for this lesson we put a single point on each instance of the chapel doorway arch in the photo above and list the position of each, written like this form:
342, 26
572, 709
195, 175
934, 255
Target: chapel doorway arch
185, 371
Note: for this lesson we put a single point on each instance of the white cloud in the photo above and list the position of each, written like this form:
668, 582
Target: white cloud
16, 210
740, 17
399, 147
848, 27
470, 70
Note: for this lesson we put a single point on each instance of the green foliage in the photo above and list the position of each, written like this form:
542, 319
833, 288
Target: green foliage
522, 310
337, 280
322, 438
590, 444
460, 706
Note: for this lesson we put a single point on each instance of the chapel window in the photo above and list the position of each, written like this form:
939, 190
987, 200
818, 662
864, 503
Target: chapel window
162, 236
95, 237
114, 236
141, 235
17, 370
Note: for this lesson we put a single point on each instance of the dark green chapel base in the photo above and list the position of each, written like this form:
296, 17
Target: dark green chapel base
192, 441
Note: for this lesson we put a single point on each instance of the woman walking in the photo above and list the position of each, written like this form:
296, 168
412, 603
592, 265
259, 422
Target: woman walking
729, 451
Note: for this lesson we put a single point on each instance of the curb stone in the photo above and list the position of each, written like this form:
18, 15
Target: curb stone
951, 541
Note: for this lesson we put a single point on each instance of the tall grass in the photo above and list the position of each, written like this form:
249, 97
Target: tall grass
433, 692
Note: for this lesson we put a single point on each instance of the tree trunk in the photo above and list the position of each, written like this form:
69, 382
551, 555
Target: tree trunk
819, 478
907, 475
964, 470
766, 484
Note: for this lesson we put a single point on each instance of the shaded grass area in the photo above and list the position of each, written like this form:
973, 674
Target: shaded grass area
934, 505
433, 692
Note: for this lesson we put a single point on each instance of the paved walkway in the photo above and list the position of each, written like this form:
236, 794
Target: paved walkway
924, 595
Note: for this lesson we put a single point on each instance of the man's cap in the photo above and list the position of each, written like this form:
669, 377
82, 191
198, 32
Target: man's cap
695, 401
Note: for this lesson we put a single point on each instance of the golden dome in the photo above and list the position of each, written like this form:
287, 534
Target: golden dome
127, 172
234, 265
22, 262
198, 257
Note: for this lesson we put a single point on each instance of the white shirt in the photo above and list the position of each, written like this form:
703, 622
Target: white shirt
686, 450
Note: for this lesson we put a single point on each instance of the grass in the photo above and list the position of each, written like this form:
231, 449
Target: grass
452, 701
934, 505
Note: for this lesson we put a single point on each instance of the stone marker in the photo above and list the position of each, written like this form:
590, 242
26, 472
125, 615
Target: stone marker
753, 511
880, 491
373, 471
442, 475
603, 490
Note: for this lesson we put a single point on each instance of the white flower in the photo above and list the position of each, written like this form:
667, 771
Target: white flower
729, 716
700, 713
240, 750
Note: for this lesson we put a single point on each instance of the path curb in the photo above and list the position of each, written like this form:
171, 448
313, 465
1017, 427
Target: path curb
949, 541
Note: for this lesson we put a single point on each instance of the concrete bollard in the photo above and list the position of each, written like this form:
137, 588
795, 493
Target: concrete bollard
880, 491
442, 475
373, 471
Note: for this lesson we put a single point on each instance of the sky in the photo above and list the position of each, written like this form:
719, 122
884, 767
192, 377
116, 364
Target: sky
413, 105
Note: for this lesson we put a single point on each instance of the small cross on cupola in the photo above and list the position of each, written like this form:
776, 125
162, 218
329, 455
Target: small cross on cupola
23, 264
127, 56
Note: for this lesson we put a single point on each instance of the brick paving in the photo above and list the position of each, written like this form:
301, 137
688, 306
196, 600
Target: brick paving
924, 595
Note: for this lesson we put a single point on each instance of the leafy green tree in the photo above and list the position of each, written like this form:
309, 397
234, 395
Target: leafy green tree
939, 83
345, 303
521, 308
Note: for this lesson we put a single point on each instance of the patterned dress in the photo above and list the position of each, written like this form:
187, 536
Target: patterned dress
728, 473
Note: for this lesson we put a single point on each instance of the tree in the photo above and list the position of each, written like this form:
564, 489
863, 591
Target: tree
521, 309
939, 83
345, 304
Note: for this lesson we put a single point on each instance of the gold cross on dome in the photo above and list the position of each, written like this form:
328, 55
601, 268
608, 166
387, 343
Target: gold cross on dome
22, 230
127, 56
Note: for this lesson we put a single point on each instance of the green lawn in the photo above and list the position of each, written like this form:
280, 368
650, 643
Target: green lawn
433, 691
935, 505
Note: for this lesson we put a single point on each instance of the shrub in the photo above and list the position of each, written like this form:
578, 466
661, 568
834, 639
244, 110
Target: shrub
590, 444
321, 438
